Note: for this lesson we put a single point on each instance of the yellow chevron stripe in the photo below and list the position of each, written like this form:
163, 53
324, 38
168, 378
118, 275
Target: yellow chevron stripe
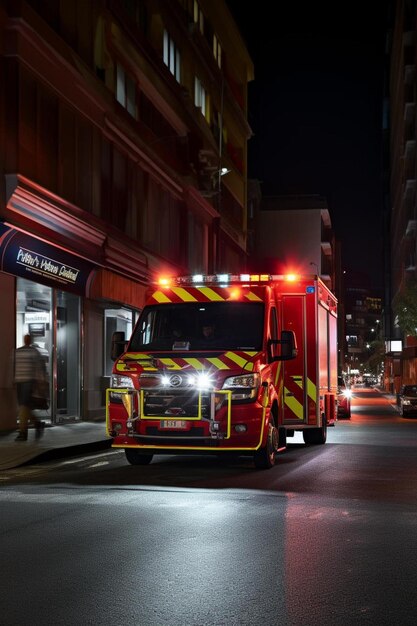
210, 294
170, 364
195, 363
298, 381
311, 390
160, 296
141, 359
252, 296
277, 373
239, 361
184, 294
218, 363
293, 404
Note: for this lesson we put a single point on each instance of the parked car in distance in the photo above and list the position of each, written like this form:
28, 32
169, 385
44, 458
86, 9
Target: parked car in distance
408, 400
344, 394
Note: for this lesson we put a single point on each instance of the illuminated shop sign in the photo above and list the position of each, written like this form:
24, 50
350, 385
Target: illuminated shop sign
26, 256
39, 264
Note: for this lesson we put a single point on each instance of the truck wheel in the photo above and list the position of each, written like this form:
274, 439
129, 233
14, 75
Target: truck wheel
264, 458
137, 458
314, 436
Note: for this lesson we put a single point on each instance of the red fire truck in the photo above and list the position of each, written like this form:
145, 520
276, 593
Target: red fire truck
226, 363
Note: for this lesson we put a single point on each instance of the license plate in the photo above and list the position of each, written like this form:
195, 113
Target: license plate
173, 425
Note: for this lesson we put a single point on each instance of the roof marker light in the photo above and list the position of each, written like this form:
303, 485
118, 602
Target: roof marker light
291, 277
198, 278
223, 278
164, 281
245, 277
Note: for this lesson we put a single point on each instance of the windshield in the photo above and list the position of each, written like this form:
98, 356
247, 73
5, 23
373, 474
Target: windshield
200, 326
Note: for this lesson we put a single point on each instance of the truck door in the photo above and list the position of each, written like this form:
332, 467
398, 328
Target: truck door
295, 389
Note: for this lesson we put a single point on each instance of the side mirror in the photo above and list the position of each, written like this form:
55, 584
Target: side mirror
288, 344
118, 344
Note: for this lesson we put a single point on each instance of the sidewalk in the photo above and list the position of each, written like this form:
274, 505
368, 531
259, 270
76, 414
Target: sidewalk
56, 441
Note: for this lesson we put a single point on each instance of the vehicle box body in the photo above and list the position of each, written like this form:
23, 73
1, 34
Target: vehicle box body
240, 391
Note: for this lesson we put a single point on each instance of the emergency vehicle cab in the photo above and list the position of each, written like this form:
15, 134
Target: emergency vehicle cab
226, 363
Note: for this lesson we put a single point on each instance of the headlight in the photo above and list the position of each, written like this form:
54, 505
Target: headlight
247, 384
406, 401
123, 382
246, 381
347, 393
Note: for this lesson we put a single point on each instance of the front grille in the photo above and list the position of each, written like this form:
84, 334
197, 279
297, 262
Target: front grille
181, 403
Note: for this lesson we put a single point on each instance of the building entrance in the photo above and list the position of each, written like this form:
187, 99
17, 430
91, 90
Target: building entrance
52, 318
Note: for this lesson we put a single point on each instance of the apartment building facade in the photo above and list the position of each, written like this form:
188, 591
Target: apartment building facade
117, 119
401, 165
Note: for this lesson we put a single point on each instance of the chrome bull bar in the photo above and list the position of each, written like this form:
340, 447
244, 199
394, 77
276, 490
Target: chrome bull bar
133, 401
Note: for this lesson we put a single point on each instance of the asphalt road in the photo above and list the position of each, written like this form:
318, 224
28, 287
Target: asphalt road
327, 537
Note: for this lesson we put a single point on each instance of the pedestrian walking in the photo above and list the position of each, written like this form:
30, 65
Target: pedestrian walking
29, 372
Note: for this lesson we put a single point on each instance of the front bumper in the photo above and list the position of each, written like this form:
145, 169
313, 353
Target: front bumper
216, 423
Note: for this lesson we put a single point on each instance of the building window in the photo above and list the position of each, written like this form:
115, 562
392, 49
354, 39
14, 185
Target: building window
172, 57
200, 97
197, 244
126, 90
217, 50
198, 17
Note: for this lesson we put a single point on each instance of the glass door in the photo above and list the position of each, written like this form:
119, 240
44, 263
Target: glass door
68, 356
34, 316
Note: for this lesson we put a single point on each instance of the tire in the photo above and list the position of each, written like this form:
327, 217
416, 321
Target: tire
135, 457
316, 436
265, 457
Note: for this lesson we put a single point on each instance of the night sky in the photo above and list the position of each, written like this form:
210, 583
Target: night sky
315, 108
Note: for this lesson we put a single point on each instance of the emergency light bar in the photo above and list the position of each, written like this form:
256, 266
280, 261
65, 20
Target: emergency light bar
223, 280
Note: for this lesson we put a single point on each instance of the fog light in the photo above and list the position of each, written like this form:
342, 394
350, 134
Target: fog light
241, 428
